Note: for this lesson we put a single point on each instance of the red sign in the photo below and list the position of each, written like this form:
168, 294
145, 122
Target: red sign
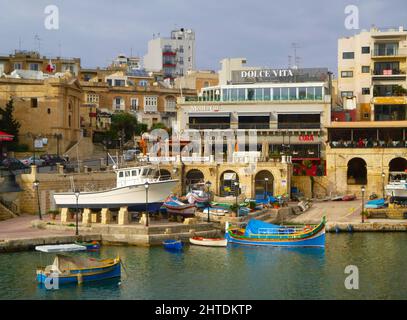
307, 137
92, 114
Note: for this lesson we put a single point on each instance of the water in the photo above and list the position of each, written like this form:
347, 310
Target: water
235, 272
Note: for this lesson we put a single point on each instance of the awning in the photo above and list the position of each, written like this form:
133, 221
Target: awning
253, 114
5, 136
209, 114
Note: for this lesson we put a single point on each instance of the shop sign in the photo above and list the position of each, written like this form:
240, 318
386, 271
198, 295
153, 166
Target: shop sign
306, 137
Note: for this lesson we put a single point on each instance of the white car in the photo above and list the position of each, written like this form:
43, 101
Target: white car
30, 161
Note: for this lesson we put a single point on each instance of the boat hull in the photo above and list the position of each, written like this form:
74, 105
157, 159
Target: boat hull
318, 240
207, 242
133, 197
79, 276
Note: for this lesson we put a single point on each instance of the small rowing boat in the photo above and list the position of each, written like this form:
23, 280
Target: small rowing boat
61, 248
67, 269
90, 246
173, 244
175, 206
209, 242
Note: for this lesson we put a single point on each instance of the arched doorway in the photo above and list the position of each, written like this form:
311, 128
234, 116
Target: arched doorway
194, 177
357, 172
398, 165
263, 183
227, 183
163, 174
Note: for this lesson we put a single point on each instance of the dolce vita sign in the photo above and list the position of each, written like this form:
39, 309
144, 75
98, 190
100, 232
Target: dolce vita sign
266, 73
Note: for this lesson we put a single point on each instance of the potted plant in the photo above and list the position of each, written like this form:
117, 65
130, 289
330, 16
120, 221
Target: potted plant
53, 213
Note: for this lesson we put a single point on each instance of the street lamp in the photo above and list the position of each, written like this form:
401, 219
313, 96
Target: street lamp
266, 181
146, 185
363, 203
236, 183
383, 175
36, 184
77, 193
208, 185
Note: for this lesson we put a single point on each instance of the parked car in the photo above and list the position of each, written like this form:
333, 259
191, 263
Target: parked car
30, 161
52, 159
13, 164
131, 154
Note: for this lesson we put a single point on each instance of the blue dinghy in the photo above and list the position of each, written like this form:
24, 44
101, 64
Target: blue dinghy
173, 244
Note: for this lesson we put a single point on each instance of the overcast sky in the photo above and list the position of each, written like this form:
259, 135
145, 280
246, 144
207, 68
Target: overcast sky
260, 30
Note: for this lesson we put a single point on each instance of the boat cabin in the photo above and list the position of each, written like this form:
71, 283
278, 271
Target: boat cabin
134, 175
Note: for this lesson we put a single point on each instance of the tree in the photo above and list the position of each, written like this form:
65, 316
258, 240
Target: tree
9, 125
126, 123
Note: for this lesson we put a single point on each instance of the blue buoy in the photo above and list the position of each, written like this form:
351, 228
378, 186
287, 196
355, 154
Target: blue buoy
350, 228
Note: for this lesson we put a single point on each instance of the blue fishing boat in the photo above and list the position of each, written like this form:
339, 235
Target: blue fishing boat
261, 233
173, 244
375, 204
69, 269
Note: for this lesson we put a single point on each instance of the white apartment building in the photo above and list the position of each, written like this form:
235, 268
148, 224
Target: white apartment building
372, 72
173, 56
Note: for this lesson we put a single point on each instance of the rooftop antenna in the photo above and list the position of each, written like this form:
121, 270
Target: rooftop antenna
37, 38
296, 46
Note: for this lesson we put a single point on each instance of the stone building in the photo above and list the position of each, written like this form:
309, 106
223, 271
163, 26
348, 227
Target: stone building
47, 108
197, 79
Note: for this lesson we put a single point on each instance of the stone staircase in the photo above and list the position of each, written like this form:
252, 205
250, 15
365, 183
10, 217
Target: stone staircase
6, 213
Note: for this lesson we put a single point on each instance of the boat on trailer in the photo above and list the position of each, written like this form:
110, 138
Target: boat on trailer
68, 269
259, 233
129, 192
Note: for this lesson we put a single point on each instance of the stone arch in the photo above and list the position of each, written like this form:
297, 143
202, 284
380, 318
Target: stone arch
227, 187
194, 176
398, 164
263, 182
163, 174
357, 172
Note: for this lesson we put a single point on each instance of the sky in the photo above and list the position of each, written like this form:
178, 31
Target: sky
262, 31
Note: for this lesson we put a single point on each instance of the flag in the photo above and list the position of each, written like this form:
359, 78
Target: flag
50, 67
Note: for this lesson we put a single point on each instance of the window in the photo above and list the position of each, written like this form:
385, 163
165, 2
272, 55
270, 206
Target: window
49, 111
318, 93
365, 90
311, 93
69, 120
346, 74
250, 94
267, 94
150, 103
346, 93
365, 69
366, 115
292, 93
134, 104
181, 48
18, 66
348, 55
365, 49
34, 66
92, 98
119, 83
386, 49
302, 93
109, 82
34, 103
143, 83
241, 94
170, 104
284, 93
259, 93
118, 104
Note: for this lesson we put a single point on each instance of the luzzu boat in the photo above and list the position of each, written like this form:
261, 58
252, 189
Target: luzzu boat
67, 269
175, 206
260, 233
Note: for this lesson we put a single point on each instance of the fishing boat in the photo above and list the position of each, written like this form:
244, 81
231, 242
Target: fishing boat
261, 233
175, 206
90, 246
67, 269
209, 242
173, 244
199, 198
216, 211
375, 204
130, 191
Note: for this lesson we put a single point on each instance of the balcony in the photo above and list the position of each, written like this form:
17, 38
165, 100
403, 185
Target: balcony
169, 53
169, 65
388, 74
202, 126
389, 53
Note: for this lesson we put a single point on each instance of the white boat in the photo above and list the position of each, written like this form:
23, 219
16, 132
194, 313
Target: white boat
398, 185
61, 248
209, 242
129, 192
215, 211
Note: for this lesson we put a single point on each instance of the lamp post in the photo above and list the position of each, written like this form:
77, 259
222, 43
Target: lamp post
383, 175
36, 184
363, 203
266, 181
146, 186
77, 193
236, 183
208, 185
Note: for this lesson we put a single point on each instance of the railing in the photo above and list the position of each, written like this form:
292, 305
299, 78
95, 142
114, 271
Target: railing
389, 52
368, 144
254, 126
302, 125
388, 72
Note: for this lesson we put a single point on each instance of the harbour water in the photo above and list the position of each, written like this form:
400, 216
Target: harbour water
236, 272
